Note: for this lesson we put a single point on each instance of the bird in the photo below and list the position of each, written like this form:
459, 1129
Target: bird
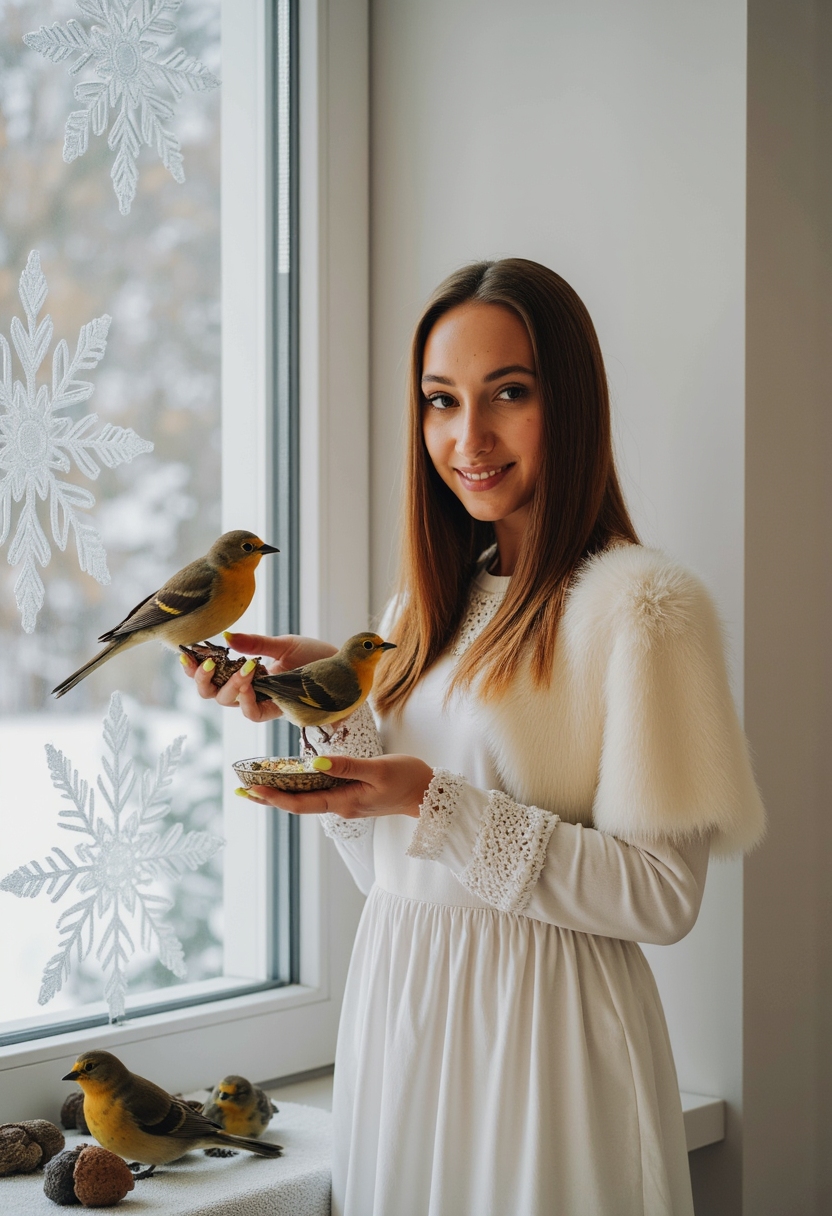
141, 1122
327, 689
202, 599
239, 1107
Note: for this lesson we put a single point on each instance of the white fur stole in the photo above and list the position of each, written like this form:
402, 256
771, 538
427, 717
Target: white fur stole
637, 734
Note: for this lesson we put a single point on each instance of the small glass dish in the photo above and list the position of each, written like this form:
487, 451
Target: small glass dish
288, 773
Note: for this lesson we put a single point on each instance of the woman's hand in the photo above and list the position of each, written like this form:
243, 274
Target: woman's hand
288, 651
383, 785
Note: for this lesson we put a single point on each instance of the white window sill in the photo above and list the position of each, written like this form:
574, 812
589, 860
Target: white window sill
704, 1120
272, 1031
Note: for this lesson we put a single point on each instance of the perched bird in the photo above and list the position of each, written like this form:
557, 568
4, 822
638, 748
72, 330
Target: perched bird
327, 689
202, 599
239, 1107
141, 1122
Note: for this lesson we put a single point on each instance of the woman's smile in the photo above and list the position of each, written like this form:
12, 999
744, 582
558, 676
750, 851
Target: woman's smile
478, 480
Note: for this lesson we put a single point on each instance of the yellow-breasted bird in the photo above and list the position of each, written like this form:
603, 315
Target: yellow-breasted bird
327, 689
202, 599
239, 1107
141, 1122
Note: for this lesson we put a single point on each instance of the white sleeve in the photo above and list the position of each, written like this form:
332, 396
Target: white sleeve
525, 860
356, 736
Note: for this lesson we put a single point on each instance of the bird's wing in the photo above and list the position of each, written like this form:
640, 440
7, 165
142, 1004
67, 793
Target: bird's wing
181, 1122
301, 685
265, 1107
188, 590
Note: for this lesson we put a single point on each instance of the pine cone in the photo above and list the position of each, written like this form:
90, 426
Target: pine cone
225, 667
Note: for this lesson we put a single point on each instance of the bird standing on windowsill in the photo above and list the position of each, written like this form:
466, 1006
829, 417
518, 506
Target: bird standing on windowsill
201, 600
141, 1122
239, 1107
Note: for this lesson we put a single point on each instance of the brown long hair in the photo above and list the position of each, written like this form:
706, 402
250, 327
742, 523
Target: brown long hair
577, 509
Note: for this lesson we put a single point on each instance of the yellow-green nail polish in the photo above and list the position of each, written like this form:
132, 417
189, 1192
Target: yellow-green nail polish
248, 667
184, 660
228, 635
322, 763
208, 665
241, 792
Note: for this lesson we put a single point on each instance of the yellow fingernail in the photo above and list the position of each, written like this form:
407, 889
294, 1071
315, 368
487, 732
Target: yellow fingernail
228, 635
248, 667
241, 792
208, 665
184, 660
322, 763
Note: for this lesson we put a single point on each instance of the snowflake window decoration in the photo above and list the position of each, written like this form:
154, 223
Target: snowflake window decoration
132, 80
120, 859
36, 441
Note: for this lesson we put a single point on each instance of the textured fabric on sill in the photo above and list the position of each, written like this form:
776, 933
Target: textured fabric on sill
502, 1044
296, 1184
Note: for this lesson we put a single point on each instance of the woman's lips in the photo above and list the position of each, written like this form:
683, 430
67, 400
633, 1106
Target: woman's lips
478, 480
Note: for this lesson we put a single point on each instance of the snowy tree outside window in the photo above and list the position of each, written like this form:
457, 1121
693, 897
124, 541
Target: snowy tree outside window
155, 272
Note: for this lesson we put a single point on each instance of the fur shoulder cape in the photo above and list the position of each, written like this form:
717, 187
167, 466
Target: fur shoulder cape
636, 734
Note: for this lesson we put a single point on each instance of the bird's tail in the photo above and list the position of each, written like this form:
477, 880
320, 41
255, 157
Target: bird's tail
263, 1148
83, 672
261, 690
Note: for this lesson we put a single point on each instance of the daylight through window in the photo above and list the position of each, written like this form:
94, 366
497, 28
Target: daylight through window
112, 899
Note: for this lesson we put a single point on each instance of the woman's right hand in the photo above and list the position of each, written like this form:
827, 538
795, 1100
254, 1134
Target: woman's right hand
288, 651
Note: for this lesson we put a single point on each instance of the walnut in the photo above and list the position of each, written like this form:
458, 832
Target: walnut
28, 1145
72, 1113
57, 1177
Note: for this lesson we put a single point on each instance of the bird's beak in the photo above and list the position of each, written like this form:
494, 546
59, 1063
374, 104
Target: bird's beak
264, 548
388, 646
71, 1076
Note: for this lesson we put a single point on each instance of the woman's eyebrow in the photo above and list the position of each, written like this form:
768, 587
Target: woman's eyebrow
511, 369
508, 371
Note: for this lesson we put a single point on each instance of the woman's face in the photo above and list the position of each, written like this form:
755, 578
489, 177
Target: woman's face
483, 420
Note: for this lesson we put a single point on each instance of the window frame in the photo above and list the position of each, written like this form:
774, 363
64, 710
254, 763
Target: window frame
290, 1029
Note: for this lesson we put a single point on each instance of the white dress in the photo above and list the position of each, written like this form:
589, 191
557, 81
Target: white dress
493, 1062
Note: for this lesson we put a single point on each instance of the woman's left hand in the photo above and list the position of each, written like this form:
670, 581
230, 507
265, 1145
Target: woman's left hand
383, 785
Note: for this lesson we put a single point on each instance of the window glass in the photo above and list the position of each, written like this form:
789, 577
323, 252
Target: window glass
155, 271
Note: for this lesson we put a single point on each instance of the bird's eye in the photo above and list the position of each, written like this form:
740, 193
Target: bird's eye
89, 1066
368, 645
247, 546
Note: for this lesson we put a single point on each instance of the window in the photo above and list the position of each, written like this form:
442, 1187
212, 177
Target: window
274, 953
143, 250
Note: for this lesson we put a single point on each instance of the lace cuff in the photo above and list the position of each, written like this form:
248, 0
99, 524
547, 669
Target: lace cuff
435, 814
355, 736
338, 828
508, 853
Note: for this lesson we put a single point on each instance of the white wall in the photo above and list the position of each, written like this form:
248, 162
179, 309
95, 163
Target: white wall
606, 140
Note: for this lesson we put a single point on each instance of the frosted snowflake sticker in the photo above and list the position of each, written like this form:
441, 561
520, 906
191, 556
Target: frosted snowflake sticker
122, 45
122, 856
37, 441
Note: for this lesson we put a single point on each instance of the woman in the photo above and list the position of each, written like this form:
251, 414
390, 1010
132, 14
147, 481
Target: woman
561, 753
